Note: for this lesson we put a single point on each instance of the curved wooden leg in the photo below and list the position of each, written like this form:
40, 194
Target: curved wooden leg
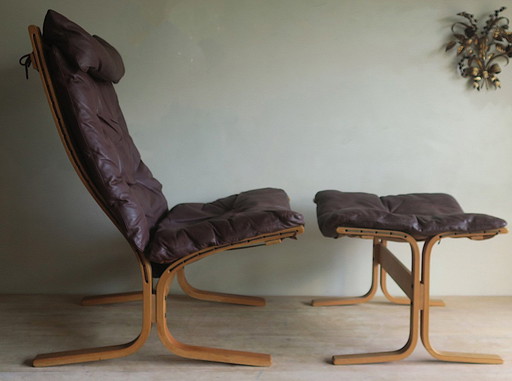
108, 352
409, 280
387, 294
397, 300
425, 320
91, 354
216, 296
402, 301
112, 298
354, 300
194, 351
378, 357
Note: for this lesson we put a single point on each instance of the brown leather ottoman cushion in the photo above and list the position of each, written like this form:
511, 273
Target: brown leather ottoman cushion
191, 227
421, 215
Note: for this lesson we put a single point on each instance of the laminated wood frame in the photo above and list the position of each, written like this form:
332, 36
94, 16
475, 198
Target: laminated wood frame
415, 283
153, 298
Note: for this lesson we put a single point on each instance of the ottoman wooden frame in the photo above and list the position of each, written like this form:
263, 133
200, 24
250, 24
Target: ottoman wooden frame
415, 283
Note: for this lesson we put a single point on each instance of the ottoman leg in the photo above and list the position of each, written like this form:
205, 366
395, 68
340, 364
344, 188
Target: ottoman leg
475, 358
409, 282
360, 299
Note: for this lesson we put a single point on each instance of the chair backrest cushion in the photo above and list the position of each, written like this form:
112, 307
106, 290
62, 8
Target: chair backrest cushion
82, 68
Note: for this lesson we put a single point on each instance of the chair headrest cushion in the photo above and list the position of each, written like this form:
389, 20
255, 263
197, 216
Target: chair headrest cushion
91, 54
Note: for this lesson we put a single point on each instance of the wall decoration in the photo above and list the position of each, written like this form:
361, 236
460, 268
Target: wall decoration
482, 50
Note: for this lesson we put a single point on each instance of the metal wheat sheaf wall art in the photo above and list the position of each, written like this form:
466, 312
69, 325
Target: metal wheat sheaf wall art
481, 50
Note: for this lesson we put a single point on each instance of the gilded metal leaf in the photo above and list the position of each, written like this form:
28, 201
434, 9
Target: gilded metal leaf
500, 48
495, 68
450, 45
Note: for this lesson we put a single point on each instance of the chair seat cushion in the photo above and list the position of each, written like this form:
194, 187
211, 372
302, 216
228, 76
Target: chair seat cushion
421, 215
192, 227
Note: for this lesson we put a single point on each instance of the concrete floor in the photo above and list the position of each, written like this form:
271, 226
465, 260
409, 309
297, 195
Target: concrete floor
300, 338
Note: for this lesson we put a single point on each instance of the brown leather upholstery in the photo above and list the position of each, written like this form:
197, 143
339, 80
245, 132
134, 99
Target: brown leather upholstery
96, 123
91, 54
82, 68
193, 226
421, 215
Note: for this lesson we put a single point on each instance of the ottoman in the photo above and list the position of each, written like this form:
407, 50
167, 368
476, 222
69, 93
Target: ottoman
410, 219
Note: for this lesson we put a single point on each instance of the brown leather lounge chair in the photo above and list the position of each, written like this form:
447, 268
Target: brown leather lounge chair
77, 71
410, 219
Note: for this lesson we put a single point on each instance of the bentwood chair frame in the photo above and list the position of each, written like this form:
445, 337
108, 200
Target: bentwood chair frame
415, 285
153, 299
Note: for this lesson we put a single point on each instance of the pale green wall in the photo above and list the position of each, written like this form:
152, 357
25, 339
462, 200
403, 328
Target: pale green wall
223, 96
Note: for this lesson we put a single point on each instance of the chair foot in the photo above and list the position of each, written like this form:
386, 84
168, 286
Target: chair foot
370, 358
471, 358
351, 301
112, 298
217, 296
86, 355
214, 354
338, 301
